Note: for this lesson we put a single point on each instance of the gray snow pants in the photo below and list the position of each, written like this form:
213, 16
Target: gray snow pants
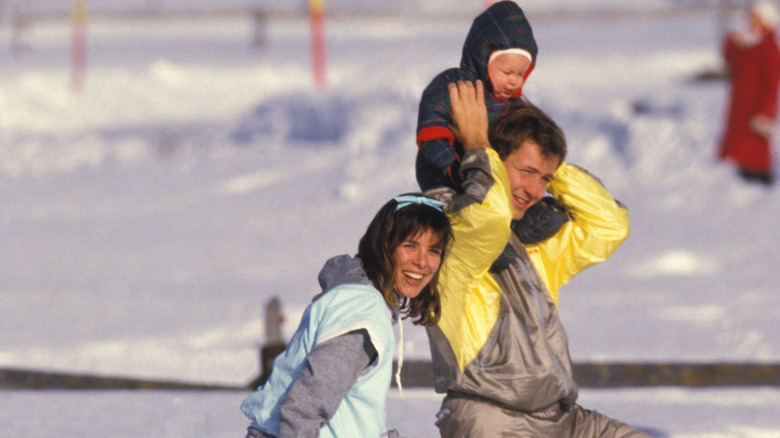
467, 418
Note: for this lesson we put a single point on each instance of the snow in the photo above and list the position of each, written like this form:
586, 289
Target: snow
663, 412
147, 219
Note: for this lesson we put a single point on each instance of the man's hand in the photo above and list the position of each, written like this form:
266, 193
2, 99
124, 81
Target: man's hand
469, 114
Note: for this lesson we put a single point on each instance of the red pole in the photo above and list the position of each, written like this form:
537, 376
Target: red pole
317, 14
79, 48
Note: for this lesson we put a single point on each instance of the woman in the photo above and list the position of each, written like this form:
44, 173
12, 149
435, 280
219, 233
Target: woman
753, 59
332, 380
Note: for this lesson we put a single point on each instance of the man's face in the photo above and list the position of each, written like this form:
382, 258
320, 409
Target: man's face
529, 172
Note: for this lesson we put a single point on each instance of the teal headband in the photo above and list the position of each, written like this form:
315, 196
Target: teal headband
405, 200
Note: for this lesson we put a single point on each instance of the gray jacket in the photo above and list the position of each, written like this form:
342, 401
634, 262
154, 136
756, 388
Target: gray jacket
500, 338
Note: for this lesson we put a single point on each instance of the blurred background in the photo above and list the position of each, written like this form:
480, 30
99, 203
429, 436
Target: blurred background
169, 167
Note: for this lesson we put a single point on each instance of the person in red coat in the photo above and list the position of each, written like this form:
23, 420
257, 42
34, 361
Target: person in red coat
753, 59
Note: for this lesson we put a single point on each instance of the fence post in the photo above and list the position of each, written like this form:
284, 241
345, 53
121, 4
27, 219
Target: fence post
259, 20
19, 24
273, 345
79, 48
317, 16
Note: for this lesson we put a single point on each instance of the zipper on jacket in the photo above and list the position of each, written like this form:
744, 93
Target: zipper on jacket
543, 321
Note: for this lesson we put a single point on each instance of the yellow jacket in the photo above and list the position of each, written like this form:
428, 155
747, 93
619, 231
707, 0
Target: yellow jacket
471, 295
600, 224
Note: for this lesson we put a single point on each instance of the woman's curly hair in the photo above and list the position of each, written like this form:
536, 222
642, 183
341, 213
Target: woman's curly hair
390, 228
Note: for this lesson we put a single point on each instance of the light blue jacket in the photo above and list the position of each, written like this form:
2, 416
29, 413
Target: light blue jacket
349, 302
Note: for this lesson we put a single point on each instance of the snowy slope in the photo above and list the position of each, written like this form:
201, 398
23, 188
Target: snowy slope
146, 220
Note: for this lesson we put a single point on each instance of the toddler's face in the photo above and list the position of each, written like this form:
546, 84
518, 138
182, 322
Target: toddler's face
506, 74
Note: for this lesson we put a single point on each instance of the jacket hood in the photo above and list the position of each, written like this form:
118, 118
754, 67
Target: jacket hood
501, 26
345, 269
340, 270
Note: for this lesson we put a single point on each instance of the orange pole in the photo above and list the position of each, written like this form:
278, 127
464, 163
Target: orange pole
79, 48
317, 14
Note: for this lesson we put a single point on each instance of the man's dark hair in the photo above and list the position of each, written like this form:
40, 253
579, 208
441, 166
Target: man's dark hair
525, 121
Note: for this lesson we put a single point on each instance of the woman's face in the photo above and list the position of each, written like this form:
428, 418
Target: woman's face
416, 261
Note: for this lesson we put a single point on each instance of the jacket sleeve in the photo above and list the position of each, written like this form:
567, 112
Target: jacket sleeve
481, 218
433, 117
598, 227
434, 114
481, 214
440, 152
770, 80
729, 50
331, 369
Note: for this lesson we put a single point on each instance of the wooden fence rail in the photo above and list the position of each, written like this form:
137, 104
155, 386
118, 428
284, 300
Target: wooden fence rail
640, 374
419, 374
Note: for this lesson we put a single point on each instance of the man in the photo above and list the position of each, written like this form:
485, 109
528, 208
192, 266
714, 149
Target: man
753, 59
499, 351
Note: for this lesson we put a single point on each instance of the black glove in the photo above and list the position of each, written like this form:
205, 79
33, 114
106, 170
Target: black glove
541, 221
